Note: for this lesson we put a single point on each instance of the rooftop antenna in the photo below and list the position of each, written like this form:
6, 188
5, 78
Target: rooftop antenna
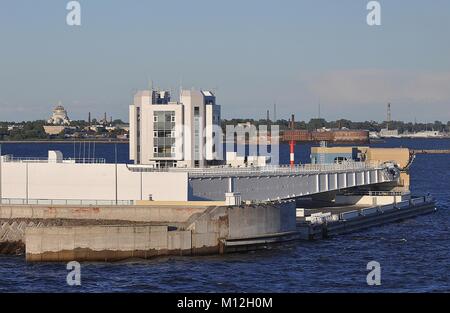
274, 112
319, 108
150, 83
388, 115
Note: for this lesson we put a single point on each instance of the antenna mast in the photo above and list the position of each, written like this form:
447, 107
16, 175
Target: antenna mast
274, 112
388, 115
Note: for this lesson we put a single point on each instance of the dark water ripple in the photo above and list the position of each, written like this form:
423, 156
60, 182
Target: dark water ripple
414, 255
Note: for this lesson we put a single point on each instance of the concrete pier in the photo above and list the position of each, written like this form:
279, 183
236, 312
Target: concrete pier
105, 234
62, 233
350, 219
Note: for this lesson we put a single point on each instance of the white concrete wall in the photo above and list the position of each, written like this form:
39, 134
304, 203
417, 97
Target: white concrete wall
191, 99
212, 138
133, 132
208, 132
89, 182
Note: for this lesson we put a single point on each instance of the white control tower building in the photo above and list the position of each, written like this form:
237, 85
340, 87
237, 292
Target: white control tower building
182, 133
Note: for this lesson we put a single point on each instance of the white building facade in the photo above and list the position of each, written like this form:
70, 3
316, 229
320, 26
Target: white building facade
164, 133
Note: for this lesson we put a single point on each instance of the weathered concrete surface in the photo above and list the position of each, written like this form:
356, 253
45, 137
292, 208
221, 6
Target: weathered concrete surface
160, 214
203, 233
212, 231
207, 229
187, 204
12, 231
12, 236
251, 221
216, 225
103, 243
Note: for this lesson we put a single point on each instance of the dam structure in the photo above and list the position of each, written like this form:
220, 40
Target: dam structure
175, 200
66, 181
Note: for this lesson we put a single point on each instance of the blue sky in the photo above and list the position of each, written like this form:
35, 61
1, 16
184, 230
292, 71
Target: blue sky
252, 53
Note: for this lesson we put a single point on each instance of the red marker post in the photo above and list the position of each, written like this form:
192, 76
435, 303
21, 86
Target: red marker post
292, 153
292, 145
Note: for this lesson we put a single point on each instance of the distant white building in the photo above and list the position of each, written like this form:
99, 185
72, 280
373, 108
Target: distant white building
169, 133
426, 134
59, 116
389, 133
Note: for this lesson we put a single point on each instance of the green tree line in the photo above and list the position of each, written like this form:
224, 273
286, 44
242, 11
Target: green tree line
317, 123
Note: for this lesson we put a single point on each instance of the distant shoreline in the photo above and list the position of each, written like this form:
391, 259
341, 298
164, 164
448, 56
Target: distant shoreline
121, 141
112, 141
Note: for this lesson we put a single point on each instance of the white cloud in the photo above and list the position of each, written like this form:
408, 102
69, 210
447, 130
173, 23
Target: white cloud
369, 86
420, 92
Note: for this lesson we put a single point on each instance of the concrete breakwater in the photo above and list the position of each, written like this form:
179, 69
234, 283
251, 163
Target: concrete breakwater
12, 236
351, 219
96, 233
159, 230
12, 230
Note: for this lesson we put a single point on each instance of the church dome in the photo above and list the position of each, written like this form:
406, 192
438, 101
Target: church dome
59, 116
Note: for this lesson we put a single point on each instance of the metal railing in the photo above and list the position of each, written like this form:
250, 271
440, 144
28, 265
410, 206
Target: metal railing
22, 201
377, 193
11, 159
264, 170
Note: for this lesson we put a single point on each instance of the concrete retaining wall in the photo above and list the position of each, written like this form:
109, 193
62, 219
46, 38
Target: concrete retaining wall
247, 222
204, 233
127, 213
103, 243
